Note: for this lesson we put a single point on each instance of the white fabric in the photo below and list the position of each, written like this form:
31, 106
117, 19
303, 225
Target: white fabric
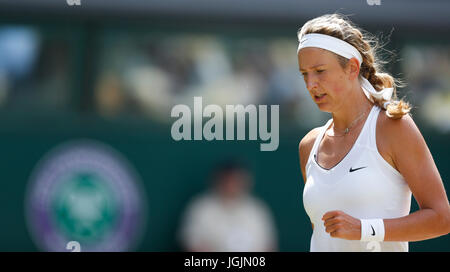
348, 51
372, 230
330, 43
376, 190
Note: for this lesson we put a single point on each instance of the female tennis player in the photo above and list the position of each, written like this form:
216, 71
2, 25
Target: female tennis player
362, 166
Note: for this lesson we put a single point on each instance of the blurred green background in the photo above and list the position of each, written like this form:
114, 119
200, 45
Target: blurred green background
112, 74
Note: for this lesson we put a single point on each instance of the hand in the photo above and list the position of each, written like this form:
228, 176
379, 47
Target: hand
341, 225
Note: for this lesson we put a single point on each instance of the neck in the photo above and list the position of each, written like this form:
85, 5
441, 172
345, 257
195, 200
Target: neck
351, 108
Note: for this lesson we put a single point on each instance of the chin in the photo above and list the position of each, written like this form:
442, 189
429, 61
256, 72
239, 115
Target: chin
324, 107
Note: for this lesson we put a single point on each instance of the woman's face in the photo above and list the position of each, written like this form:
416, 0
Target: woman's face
327, 82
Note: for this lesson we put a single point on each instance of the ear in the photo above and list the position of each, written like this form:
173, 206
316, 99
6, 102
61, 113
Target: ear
353, 68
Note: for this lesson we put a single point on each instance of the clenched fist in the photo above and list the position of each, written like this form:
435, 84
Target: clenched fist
341, 225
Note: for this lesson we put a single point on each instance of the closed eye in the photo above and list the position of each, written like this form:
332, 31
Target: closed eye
318, 71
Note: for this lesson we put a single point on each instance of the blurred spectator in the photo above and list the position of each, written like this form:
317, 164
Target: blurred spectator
18, 52
228, 217
37, 68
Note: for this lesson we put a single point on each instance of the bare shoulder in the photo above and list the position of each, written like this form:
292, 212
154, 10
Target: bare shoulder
307, 141
399, 137
305, 146
401, 131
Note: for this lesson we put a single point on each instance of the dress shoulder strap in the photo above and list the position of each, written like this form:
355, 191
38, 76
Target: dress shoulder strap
369, 137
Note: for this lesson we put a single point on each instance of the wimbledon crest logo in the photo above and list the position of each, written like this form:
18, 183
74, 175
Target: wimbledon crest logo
85, 193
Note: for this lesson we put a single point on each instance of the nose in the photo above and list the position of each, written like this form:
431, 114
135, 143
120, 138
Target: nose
311, 82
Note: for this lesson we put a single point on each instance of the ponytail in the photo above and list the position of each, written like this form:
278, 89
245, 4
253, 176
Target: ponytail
395, 108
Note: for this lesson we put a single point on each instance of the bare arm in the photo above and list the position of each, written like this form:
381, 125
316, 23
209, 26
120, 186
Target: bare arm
304, 149
415, 162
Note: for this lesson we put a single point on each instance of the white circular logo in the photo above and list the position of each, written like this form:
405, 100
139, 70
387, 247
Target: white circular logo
85, 193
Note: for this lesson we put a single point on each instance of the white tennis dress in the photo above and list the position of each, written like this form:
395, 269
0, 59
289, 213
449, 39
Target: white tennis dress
362, 185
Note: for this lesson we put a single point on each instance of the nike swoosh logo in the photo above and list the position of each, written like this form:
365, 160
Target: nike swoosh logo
373, 231
353, 170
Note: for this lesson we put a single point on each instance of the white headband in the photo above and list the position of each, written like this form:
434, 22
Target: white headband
347, 51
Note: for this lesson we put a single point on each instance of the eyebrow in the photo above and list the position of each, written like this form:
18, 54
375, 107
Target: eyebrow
313, 67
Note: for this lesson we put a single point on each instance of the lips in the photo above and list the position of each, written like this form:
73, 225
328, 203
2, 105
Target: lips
319, 97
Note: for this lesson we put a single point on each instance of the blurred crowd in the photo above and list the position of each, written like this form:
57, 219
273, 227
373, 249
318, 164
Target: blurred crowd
155, 72
147, 72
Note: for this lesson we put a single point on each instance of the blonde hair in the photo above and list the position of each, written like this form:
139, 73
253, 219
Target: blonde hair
340, 27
